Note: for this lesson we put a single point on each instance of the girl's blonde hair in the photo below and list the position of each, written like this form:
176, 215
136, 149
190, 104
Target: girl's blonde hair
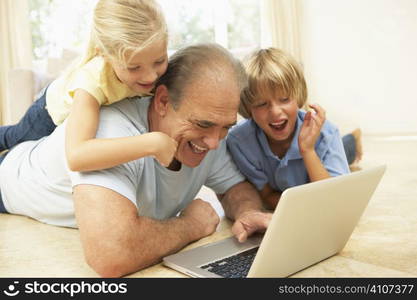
121, 28
270, 71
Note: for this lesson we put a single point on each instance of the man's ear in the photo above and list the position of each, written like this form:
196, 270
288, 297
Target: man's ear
161, 100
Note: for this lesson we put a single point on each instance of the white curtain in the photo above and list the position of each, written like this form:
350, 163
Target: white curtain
280, 25
16, 44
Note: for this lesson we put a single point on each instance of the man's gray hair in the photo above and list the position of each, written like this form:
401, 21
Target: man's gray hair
192, 62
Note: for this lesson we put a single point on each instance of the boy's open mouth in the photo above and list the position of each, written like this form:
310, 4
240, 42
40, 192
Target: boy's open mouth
278, 125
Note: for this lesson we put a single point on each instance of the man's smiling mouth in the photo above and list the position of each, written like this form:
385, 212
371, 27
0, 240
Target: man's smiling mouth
197, 149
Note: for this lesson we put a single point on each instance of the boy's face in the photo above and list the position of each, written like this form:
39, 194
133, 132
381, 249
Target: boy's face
276, 114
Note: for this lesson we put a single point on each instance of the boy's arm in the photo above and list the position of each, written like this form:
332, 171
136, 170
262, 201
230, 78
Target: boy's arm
86, 153
270, 197
315, 168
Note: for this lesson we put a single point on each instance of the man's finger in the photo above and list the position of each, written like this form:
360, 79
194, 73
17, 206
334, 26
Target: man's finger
242, 236
239, 231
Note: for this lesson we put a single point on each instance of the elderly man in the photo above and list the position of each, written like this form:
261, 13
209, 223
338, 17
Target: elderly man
132, 215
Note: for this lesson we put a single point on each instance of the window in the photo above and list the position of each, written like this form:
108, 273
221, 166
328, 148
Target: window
60, 24
232, 23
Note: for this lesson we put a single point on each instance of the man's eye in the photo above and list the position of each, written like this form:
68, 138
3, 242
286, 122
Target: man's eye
285, 100
160, 62
201, 125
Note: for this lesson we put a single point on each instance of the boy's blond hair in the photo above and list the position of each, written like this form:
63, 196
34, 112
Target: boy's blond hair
121, 28
270, 71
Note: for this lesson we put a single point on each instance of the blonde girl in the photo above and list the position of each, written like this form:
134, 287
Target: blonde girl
126, 55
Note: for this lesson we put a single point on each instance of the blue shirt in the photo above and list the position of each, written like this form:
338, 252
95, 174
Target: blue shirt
250, 150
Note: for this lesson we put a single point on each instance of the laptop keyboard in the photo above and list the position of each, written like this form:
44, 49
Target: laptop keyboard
235, 266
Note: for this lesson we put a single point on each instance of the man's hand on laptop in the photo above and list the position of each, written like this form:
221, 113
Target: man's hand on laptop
249, 222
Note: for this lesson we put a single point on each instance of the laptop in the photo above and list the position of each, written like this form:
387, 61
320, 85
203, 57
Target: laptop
311, 222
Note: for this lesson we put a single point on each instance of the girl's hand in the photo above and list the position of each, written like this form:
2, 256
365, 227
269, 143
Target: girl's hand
310, 130
165, 148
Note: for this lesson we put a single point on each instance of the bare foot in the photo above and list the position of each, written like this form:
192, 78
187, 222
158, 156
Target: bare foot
357, 134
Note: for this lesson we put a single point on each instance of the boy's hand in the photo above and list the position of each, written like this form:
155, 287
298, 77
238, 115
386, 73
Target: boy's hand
310, 130
165, 148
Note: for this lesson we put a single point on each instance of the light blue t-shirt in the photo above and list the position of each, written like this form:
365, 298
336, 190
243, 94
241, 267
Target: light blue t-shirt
35, 180
250, 150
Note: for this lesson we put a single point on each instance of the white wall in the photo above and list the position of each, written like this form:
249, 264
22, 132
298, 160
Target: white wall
360, 59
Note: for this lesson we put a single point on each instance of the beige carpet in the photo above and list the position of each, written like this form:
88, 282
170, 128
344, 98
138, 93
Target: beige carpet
384, 244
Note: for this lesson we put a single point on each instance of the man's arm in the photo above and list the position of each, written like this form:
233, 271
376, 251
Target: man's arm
116, 241
243, 204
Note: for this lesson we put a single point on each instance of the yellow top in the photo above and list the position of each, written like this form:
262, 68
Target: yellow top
96, 77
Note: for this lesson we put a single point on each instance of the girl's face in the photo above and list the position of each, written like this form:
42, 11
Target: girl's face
276, 114
144, 68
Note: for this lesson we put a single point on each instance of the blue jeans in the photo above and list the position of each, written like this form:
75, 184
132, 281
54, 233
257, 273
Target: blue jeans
35, 124
2, 208
349, 144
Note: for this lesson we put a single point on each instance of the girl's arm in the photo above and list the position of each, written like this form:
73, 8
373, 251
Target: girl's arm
86, 153
310, 131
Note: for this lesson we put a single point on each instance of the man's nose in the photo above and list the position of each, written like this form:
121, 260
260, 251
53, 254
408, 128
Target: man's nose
212, 139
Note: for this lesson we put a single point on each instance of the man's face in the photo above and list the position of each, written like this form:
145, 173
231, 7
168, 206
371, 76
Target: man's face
207, 111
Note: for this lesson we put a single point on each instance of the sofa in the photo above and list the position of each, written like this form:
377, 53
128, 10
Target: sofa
24, 84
